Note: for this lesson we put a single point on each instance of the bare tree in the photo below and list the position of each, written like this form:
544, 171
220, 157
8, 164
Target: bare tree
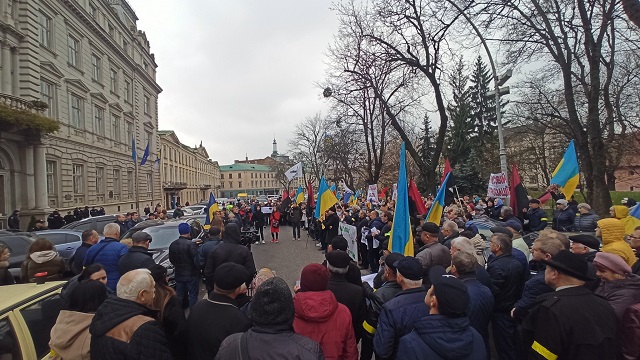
307, 146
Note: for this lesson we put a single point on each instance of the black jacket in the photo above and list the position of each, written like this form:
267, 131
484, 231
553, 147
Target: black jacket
506, 280
258, 217
331, 223
351, 296
182, 254
274, 342
174, 325
229, 251
123, 329
211, 321
586, 222
77, 260
68, 219
533, 288
571, 323
14, 222
296, 214
377, 299
55, 221
563, 220
537, 219
138, 257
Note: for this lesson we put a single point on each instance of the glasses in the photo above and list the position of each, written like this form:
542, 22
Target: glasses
634, 237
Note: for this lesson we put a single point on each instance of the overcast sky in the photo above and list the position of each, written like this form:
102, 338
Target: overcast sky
234, 73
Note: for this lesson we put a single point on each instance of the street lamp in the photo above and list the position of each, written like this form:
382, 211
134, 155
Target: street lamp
498, 81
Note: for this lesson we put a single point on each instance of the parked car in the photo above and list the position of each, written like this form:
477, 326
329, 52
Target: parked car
163, 234
27, 314
197, 209
262, 199
186, 211
96, 223
66, 241
18, 243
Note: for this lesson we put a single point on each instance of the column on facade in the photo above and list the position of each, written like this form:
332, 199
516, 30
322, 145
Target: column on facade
6, 69
15, 78
40, 177
31, 193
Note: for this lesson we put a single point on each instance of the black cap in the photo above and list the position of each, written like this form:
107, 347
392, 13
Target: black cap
430, 227
570, 264
409, 267
534, 201
501, 230
229, 276
391, 259
339, 243
452, 295
587, 240
338, 259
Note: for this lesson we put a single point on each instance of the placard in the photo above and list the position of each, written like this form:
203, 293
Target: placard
350, 233
498, 186
372, 194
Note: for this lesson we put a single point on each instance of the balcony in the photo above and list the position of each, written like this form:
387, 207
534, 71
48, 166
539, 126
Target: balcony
17, 114
204, 186
174, 185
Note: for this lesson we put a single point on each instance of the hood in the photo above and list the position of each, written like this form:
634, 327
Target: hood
630, 284
43, 256
315, 306
69, 328
231, 234
478, 242
612, 230
115, 311
621, 211
451, 338
499, 202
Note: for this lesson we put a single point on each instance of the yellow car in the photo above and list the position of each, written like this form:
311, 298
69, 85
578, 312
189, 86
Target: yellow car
27, 314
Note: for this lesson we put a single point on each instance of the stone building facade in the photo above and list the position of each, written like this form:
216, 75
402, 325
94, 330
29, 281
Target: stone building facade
188, 174
88, 61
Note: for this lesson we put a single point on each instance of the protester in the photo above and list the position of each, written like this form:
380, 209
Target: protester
5, 275
350, 295
42, 258
563, 217
353, 275
536, 216
463, 244
448, 232
177, 212
374, 226
445, 333
212, 320
519, 255
571, 322
621, 212
611, 231
93, 272
296, 218
214, 239
275, 219
263, 275
138, 256
330, 223
108, 252
630, 333
585, 221
229, 251
122, 223
170, 314
182, 254
70, 338
258, 219
634, 243
432, 253
617, 284
320, 317
89, 238
271, 336
124, 327
54, 220
509, 219
399, 315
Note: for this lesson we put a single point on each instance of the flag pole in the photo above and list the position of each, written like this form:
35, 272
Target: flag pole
136, 184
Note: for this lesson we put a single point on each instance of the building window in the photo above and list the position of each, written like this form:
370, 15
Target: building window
239, 184
147, 105
230, 184
96, 65
130, 183
74, 49
111, 30
78, 179
125, 46
45, 30
239, 175
99, 180
77, 118
222, 176
148, 138
52, 178
145, 66
222, 184
128, 127
127, 91
46, 95
117, 181
114, 80
149, 182
115, 121
93, 10
98, 120
230, 176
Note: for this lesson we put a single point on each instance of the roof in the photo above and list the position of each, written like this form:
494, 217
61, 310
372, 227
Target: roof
16, 295
245, 167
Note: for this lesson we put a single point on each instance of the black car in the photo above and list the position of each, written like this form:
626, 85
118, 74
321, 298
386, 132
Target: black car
18, 244
96, 223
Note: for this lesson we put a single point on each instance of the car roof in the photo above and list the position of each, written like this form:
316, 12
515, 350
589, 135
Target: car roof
64, 231
16, 295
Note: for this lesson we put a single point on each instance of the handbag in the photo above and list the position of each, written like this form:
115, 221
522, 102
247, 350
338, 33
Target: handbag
275, 224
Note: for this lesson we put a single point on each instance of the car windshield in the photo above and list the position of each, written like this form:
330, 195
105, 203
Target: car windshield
162, 236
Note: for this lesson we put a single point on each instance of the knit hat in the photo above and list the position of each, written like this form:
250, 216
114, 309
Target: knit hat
562, 202
314, 277
338, 259
272, 303
184, 229
452, 295
230, 276
339, 243
612, 262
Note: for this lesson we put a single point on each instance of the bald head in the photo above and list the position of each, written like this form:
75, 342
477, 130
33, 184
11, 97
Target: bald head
137, 285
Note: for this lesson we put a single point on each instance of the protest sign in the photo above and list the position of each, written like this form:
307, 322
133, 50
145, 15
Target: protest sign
350, 233
372, 194
498, 186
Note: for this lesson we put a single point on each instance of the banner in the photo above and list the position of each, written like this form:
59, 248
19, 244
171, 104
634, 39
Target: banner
498, 186
395, 192
349, 232
267, 209
372, 194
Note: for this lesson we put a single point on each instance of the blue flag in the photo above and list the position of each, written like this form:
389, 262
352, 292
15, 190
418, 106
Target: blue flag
134, 155
145, 155
211, 209
401, 238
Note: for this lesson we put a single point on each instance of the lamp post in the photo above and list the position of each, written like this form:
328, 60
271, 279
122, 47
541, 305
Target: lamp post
498, 81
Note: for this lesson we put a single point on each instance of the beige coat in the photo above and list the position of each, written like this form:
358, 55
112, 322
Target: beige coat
70, 338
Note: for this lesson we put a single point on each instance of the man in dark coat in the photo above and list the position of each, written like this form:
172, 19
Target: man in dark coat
124, 326
120, 220
89, 238
507, 280
77, 213
213, 239
330, 223
353, 274
135, 219
373, 249
69, 218
536, 216
182, 254
271, 336
463, 266
14, 220
399, 315
94, 211
54, 220
564, 216
212, 320
432, 252
229, 251
571, 322
138, 256
350, 295
178, 213
258, 219
296, 218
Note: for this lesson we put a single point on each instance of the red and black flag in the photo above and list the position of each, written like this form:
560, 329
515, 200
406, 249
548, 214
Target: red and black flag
519, 197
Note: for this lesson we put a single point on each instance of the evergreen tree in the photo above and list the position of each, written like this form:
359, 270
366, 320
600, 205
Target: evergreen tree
458, 136
426, 148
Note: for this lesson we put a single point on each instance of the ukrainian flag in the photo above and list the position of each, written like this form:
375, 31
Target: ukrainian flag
326, 199
567, 173
299, 195
211, 209
435, 212
354, 199
401, 239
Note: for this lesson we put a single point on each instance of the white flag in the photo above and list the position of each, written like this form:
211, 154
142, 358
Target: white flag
294, 171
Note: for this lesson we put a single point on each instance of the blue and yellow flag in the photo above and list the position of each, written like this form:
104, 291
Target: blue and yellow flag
326, 199
435, 212
567, 173
299, 195
211, 209
354, 199
401, 239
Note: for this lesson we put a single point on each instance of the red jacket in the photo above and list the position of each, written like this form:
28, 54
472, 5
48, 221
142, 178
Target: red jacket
320, 317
